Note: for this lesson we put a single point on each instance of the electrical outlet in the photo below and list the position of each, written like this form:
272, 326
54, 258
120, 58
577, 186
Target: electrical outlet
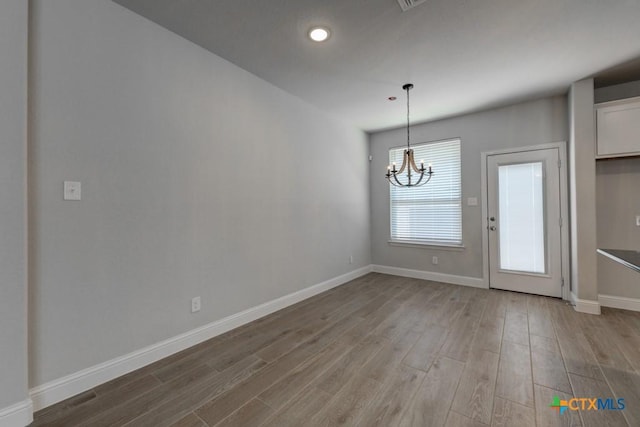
195, 304
434, 260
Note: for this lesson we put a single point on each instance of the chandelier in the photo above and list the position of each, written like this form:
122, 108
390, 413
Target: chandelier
415, 176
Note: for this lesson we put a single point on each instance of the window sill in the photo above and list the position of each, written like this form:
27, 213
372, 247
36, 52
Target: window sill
425, 245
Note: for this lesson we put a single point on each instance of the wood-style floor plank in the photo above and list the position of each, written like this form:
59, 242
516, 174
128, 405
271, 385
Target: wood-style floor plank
548, 416
578, 355
347, 406
489, 334
252, 413
592, 388
430, 405
201, 392
511, 414
625, 326
298, 378
496, 303
299, 410
385, 351
460, 337
620, 324
333, 379
457, 420
426, 349
149, 401
549, 370
625, 385
544, 344
477, 303
384, 362
191, 420
517, 302
76, 413
226, 403
516, 327
514, 374
386, 408
539, 317
474, 397
603, 342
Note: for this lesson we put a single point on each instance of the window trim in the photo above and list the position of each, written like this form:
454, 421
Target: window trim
426, 244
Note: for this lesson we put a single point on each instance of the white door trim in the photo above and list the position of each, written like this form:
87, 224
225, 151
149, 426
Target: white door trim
564, 209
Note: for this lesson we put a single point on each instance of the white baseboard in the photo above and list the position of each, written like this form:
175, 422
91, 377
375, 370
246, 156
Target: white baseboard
63, 388
430, 275
585, 305
619, 302
18, 415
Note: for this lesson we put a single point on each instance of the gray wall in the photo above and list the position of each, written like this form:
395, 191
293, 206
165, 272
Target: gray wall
618, 203
13, 208
530, 123
611, 93
197, 179
582, 191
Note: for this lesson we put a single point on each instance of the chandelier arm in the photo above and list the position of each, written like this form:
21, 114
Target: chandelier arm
393, 183
395, 177
404, 163
417, 184
412, 163
428, 179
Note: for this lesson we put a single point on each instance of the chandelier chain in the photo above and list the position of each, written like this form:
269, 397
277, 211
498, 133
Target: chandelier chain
408, 127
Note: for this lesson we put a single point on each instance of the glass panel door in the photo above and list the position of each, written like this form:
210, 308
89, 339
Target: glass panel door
523, 221
521, 213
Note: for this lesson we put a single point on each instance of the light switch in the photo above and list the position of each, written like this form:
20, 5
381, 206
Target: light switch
472, 201
72, 190
638, 220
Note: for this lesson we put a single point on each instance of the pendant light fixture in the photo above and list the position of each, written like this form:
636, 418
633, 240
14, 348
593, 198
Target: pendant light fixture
415, 176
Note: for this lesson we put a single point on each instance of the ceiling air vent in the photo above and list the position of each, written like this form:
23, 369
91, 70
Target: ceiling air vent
409, 4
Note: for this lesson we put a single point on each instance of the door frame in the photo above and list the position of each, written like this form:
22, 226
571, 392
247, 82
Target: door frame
564, 210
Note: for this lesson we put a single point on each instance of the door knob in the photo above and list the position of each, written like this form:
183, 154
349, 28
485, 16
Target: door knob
492, 228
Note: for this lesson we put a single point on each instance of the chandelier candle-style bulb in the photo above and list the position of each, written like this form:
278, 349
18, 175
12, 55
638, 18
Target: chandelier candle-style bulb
408, 162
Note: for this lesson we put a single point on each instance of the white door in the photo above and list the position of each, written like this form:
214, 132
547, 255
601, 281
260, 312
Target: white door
524, 222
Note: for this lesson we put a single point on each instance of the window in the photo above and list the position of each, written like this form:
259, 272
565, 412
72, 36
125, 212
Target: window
431, 214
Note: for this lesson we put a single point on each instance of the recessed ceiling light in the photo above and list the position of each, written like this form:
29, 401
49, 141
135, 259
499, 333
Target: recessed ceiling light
319, 34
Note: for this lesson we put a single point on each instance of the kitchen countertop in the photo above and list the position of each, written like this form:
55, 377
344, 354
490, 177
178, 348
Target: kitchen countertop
626, 257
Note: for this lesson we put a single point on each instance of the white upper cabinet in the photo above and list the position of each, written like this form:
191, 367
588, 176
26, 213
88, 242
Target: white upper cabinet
618, 128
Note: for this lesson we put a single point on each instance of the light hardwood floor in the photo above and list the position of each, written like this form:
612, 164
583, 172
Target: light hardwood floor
386, 351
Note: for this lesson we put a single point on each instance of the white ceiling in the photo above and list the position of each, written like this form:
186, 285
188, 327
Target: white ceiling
461, 55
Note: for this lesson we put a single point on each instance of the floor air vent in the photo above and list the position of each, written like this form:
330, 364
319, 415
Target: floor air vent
409, 4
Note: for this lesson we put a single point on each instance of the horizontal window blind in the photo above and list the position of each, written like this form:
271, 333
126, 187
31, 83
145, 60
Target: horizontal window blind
432, 213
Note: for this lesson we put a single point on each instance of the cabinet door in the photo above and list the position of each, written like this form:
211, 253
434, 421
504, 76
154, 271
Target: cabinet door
618, 128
